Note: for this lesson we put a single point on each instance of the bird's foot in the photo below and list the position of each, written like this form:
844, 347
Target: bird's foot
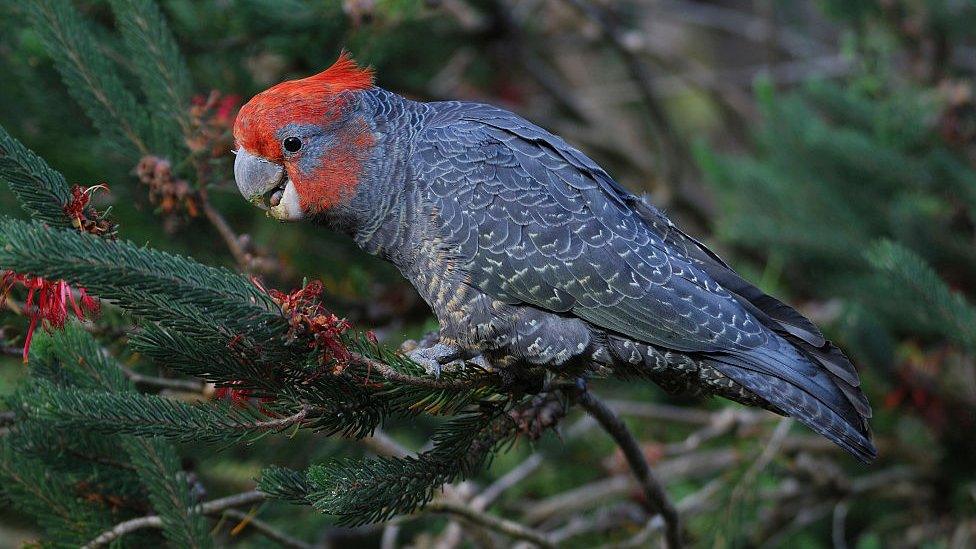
434, 358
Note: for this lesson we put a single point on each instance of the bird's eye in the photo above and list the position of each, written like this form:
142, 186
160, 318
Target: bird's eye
292, 144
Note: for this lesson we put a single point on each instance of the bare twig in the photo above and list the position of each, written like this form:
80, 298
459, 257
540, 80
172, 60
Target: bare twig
838, 525
269, 531
383, 444
154, 521
657, 498
279, 423
503, 526
488, 496
691, 504
770, 450
701, 464
185, 385
662, 412
246, 260
744, 24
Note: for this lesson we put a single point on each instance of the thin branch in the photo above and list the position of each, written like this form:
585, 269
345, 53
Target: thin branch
186, 385
690, 505
661, 412
154, 521
743, 24
519, 473
269, 531
246, 260
391, 374
503, 526
657, 498
383, 444
279, 423
770, 451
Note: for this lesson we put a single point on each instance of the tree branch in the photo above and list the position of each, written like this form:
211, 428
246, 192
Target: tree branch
657, 498
297, 417
504, 526
186, 385
269, 531
247, 261
390, 374
154, 521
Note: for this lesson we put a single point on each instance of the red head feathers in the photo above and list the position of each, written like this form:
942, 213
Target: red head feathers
321, 181
296, 101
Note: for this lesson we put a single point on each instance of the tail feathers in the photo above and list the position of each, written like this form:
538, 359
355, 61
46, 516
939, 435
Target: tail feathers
842, 372
800, 388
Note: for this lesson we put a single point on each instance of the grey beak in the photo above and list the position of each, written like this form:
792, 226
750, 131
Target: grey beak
256, 176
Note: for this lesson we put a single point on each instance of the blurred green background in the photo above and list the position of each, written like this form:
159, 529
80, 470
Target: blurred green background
826, 149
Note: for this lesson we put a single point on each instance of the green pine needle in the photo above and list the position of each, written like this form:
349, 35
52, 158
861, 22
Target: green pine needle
41, 190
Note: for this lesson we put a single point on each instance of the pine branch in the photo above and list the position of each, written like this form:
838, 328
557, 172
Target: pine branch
937, 305
48, 498
374, 489
169, 492
89, 75
148, 415
142, 280
72, 357
285, 484
40, 189
161, 70
184, 385
368, 490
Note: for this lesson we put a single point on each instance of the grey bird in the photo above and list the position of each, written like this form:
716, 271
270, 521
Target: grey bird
530, 254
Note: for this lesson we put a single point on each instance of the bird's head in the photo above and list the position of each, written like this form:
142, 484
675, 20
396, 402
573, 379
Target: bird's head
302, 144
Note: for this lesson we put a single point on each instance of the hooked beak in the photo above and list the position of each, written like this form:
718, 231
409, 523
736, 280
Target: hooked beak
266, 185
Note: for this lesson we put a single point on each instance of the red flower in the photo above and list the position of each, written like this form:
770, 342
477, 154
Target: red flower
84, 218
238, 397
307, 317
47, 302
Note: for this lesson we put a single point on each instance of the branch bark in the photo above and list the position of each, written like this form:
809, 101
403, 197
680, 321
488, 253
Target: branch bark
154, 521
390, 374
654, 492
185, 385
503, 526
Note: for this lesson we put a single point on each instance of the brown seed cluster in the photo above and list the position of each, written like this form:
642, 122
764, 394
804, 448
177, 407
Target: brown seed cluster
171, 195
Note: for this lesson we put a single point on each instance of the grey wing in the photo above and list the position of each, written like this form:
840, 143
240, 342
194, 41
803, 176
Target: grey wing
535, 227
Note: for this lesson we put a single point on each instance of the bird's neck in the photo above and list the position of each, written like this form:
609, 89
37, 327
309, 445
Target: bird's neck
382, 212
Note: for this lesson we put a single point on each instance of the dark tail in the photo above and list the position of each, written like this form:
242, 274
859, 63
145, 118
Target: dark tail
806, 386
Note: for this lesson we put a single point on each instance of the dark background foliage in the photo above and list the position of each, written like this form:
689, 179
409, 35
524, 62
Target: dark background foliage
826, 149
